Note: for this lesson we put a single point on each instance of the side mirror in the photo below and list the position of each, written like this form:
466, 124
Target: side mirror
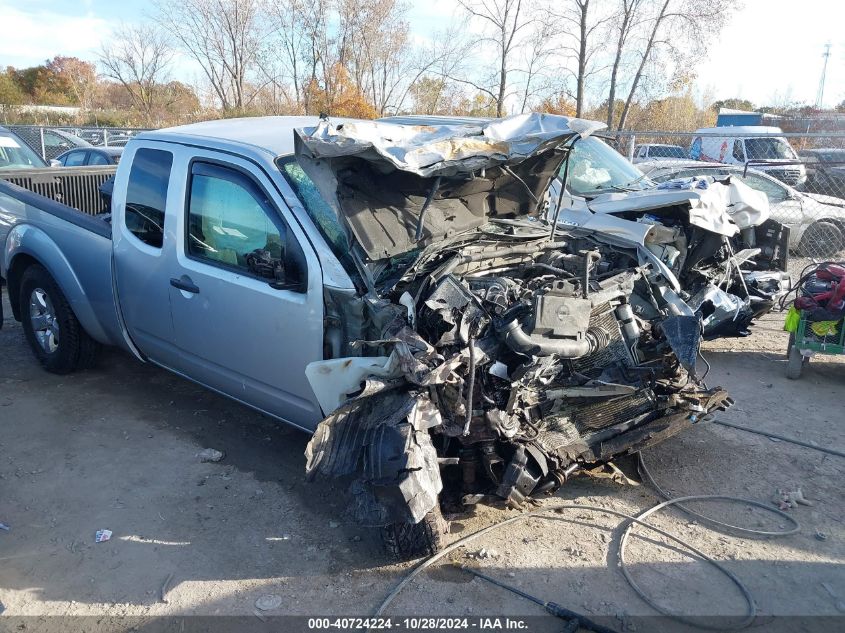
55, 163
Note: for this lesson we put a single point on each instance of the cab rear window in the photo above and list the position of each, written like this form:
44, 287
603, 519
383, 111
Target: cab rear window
146, 195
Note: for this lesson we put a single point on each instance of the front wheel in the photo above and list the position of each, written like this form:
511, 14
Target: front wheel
51, 328
821, 239
404, 541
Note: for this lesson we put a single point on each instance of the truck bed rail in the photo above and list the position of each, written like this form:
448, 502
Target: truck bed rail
76, 187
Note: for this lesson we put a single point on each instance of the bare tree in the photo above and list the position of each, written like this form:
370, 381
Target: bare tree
431, 88
298, 50
583, 18
224, 37
506, 21
680, 28
373, 45
539, 54
627, 20
138, 57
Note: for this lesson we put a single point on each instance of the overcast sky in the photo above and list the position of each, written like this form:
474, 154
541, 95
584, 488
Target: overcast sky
771, 52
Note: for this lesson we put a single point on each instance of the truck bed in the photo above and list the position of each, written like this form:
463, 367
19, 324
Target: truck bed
74, 247
98, 224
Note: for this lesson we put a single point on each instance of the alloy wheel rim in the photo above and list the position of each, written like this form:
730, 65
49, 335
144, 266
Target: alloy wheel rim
42, 316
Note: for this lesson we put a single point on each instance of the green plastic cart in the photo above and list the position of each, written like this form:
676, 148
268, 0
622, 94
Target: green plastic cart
805, 339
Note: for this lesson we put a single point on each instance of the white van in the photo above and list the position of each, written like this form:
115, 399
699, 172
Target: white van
736, 145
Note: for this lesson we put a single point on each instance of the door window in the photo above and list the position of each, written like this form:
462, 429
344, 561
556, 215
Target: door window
98, 159
774, 191
233, 224
146, 195
74, 159
55, 143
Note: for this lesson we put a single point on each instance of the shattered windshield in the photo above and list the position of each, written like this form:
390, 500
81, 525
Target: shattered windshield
318, 210
768, 149
596, 168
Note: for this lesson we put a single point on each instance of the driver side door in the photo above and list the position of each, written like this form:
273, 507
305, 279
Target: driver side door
246, 291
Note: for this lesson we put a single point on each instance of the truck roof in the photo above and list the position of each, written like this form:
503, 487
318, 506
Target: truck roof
266, 134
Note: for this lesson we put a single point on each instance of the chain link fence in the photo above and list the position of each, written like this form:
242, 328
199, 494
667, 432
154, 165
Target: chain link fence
803, 175
50, 142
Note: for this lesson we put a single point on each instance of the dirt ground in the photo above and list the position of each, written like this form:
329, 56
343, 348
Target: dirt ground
115, 448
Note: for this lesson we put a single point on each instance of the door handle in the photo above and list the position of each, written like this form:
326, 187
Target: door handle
184, 284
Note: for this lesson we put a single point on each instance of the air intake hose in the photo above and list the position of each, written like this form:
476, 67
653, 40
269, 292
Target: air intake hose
520, 341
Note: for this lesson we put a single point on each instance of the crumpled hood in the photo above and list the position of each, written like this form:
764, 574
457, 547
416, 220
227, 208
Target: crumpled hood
826, 200
392, 183
723, 205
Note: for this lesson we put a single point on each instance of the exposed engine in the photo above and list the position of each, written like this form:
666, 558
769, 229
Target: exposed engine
511, 366
484, 351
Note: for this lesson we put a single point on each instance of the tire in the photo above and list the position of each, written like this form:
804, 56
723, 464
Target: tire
822, 240
404, 541
795, 361
51, 328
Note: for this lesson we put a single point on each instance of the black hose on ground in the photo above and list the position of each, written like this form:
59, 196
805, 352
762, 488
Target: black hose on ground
782, 438
646, 475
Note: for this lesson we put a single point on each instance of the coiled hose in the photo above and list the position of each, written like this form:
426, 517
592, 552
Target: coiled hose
632, 520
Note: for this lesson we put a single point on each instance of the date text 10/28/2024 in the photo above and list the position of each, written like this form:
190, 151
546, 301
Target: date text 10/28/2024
418, 624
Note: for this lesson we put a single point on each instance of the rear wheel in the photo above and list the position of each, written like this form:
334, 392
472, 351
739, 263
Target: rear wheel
822, 239
51, 328
404, 541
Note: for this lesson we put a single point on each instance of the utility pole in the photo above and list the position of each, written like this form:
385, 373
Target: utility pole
820, 94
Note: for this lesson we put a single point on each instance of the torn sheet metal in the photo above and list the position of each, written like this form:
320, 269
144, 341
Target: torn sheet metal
707, 207
384, 438
723, 207
721, 312
444, 150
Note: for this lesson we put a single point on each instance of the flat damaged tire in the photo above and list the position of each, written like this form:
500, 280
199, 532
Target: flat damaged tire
405, 541
51, 328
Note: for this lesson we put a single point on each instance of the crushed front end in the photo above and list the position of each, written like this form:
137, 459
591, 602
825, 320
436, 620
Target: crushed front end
500, 360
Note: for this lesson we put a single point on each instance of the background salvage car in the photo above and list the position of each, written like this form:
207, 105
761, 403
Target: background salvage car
816, 222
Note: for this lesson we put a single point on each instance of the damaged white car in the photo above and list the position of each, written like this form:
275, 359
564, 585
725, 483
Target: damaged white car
488, 352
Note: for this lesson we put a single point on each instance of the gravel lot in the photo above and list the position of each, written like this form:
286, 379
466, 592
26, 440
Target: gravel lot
116, 447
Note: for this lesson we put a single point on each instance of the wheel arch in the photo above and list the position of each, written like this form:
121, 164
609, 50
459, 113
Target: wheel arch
17, 267
27, 246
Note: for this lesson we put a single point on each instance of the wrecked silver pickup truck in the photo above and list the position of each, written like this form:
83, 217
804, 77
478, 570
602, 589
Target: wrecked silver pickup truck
490, 352
394, 289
